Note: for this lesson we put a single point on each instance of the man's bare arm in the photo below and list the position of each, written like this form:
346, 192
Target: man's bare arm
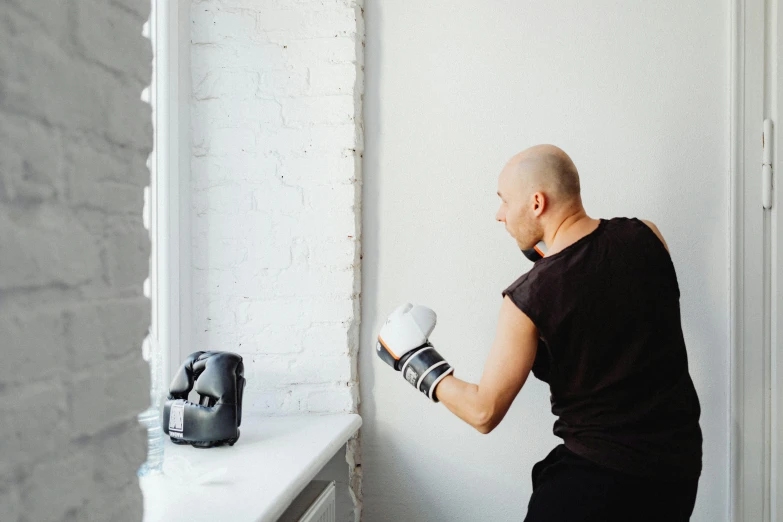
508, 365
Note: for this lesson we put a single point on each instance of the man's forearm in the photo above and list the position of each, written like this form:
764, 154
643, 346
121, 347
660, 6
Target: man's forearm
464, 400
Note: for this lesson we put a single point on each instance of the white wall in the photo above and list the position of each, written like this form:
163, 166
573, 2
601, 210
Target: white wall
275, 216
74, 138
637, 93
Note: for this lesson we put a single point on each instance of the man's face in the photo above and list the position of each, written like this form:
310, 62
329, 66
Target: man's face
517, 211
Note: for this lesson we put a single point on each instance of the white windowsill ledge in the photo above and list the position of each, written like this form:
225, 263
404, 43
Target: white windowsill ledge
271, 463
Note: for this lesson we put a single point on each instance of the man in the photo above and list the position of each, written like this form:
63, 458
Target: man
598, 319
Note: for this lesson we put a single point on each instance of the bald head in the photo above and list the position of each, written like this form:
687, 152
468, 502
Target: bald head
547, 169
539, 189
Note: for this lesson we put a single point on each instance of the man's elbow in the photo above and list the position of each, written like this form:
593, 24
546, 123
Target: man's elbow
486, 421
484, 429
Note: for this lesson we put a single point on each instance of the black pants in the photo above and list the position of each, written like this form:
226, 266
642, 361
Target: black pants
570, 488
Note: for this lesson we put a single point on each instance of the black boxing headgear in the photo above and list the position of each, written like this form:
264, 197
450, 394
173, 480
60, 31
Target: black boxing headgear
219, 379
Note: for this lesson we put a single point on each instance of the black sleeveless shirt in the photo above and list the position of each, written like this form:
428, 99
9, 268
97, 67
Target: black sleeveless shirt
611, 349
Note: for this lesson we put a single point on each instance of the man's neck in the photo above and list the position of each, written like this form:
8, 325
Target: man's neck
570, 230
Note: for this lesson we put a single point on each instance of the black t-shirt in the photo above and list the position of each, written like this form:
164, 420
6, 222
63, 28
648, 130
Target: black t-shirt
612, 351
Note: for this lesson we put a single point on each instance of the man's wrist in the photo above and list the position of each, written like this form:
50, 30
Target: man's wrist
438, 386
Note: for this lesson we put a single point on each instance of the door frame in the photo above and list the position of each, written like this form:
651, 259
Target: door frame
755, 233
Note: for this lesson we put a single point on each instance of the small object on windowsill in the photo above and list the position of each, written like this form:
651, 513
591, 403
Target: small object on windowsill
274, 461
151, 417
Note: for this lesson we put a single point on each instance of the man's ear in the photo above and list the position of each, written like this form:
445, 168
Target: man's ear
539, 203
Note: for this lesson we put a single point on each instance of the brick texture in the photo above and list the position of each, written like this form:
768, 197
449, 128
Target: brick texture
74, 138
276, 120
277, 148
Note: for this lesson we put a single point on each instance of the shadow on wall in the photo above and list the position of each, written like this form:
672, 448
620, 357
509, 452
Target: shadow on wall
369, 236
370, 185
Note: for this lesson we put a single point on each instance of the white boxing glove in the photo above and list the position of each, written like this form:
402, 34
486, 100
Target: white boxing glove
407, 327
403, 344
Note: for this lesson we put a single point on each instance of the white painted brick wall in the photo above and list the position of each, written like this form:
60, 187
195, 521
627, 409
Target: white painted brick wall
277, 144
74, 138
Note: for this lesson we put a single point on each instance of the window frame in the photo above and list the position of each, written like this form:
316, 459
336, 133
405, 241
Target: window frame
169, 201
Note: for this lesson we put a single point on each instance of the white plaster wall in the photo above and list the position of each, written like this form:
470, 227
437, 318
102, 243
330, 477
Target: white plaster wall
637, 93
74, 138
276, 106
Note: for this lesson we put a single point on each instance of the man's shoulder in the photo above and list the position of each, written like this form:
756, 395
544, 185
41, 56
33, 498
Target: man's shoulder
510, 289
529, 279
619, 221
656, 231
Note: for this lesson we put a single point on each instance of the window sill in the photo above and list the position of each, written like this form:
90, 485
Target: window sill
271, 463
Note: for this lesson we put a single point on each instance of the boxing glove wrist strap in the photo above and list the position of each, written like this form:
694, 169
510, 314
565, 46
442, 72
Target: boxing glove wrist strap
424, 368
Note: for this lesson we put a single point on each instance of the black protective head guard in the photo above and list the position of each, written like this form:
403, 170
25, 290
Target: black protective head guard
219, 379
